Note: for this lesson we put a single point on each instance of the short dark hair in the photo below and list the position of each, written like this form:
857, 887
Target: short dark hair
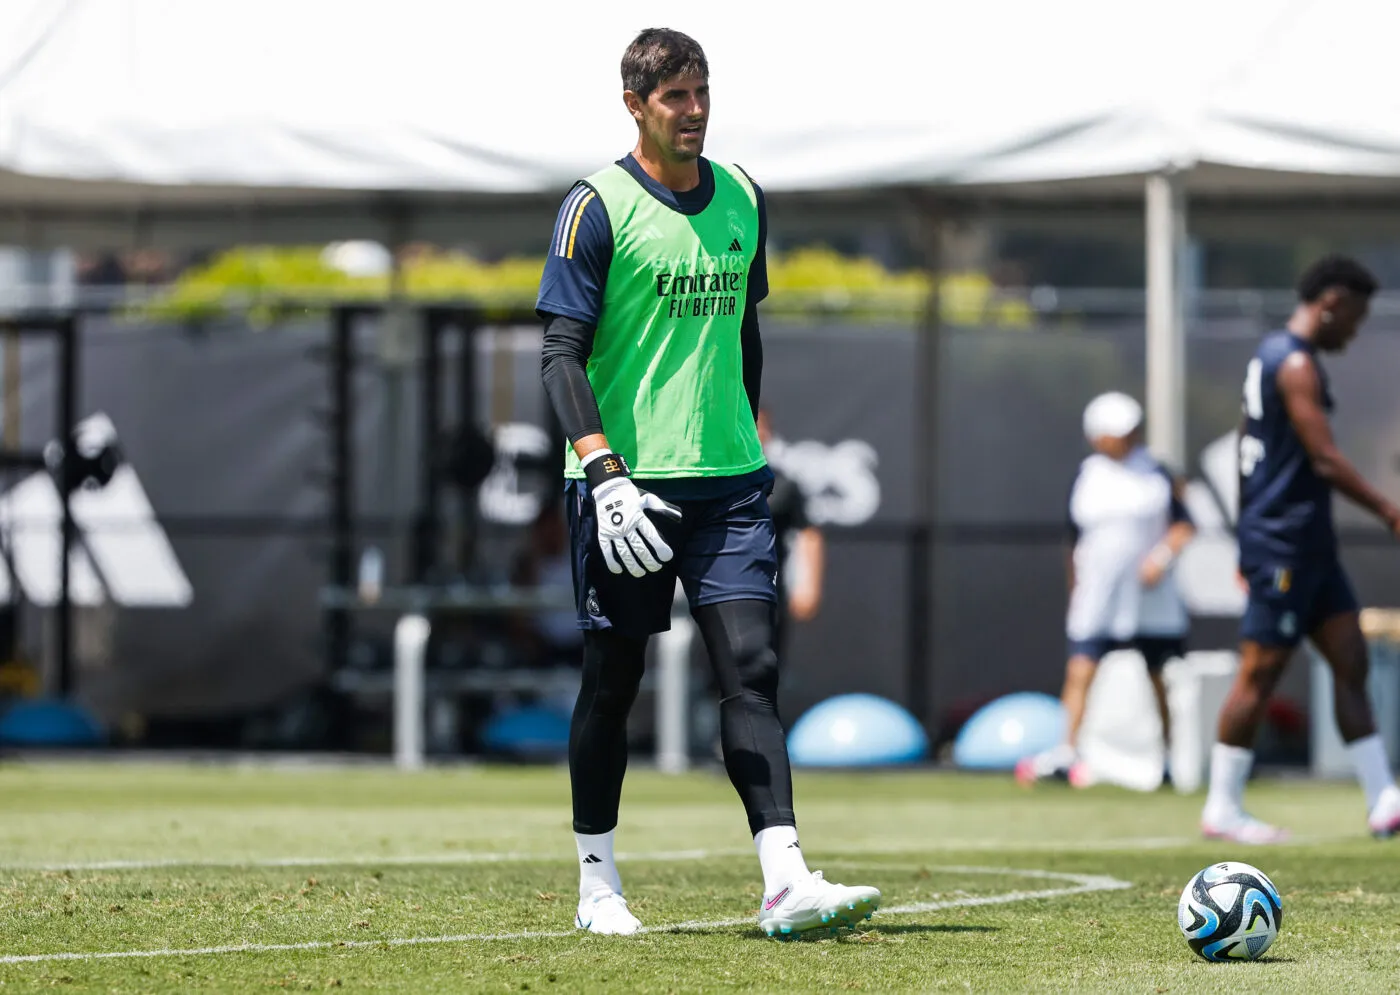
1336, 271
659, 54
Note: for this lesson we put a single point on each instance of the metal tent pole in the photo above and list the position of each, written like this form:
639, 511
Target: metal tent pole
67, 426
928, 350
1166, 318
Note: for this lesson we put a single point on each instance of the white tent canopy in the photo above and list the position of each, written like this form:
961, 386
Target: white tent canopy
130, 102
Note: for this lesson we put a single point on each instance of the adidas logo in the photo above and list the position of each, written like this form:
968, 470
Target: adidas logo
734, 246
591, 859
794, 845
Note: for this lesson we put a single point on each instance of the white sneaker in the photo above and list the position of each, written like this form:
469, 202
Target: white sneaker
1047, 764
1242, 828
1081, 775
1385, 817
607, 915
815, 901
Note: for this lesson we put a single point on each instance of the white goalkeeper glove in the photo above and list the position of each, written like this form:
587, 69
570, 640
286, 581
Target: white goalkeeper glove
627, 537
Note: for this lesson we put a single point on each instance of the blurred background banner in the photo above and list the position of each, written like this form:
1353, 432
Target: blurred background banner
238, 483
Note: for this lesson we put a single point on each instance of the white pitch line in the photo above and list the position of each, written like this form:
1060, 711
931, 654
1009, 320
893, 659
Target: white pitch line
464, 857
1083, 884
495, 857
1080, 884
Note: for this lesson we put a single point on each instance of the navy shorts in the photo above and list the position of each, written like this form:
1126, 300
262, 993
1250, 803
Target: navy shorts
1288, 601
1156, 650
724, 551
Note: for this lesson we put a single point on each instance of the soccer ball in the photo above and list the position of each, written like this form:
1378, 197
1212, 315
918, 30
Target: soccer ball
1230, 911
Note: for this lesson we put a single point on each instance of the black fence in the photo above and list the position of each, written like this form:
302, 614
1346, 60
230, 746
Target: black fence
233, 434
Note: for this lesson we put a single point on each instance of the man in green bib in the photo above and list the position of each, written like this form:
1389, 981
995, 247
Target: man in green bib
652, 361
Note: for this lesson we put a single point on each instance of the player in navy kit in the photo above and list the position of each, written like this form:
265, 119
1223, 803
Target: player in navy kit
1289, 467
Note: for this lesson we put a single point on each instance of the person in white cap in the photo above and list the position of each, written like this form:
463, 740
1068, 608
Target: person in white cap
1128, 524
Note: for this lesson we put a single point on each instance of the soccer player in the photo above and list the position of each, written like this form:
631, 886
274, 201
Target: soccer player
1289, 467
1128, 524
652, 360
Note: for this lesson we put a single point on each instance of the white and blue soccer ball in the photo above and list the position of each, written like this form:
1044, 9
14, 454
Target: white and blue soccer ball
1230, 911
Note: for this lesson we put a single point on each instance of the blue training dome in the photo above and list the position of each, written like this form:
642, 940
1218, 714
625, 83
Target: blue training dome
1009, 728
49, 723
531, 731
856, 730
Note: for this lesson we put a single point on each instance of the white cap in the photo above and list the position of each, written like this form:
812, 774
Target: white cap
1113, 415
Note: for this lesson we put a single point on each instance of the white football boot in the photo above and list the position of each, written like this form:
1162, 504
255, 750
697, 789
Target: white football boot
1384, 819
814, 901
607, 915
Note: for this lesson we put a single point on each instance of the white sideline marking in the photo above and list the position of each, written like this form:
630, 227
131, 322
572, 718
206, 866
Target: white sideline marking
1079, 884
496, 857
464, 857
1083, 883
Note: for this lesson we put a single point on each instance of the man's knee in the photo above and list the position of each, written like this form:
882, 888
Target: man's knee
1350, 660
740, 634
1342, 645
758, 670
751, 648
1262, 667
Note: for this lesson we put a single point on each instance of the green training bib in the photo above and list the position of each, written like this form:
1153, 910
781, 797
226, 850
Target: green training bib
667, 363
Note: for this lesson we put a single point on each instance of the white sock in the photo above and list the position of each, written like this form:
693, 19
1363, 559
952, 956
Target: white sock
1372, 767
1229, 769
780, 856
597, 871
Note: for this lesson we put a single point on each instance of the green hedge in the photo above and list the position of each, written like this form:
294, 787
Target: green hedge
806, 282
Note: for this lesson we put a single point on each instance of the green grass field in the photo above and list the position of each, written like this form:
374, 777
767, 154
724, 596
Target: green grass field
364, 879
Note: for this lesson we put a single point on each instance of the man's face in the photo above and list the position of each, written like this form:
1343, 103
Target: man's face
1340, 314
674, 116
1117, 447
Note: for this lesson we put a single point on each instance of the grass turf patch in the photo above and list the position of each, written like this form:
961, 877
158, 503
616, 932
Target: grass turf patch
360, 860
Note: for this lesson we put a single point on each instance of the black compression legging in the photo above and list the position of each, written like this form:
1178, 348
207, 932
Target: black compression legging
738, 636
